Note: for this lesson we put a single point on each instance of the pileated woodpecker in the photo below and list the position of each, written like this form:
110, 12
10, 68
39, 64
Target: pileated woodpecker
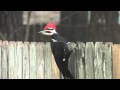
59, 48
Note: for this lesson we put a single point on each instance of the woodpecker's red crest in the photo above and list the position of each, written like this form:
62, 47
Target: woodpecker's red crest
50, 26
49, 29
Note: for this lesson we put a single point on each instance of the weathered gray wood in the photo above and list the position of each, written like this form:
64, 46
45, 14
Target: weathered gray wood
89, 60
0, 59
48, 59
72, 60
18, 59
98, 62
80, 60
55, 70
40, 60
33, 60
71, 46
4, 60
26, 61
107, 67
11, 60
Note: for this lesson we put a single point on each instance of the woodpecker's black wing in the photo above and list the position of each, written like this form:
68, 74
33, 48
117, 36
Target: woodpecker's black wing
61, 53
64, 45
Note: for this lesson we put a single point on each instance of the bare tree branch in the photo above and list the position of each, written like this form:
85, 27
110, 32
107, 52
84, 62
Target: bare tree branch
28, 26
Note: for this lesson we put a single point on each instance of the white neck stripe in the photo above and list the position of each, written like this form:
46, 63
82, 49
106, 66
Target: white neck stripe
54, 40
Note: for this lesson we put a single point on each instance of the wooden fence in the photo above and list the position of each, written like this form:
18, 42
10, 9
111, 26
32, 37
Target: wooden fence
24, 60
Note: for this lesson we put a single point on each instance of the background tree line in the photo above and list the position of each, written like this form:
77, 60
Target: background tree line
74, 26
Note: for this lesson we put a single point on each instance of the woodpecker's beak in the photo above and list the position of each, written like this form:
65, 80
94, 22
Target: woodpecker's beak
46, 32
41, 32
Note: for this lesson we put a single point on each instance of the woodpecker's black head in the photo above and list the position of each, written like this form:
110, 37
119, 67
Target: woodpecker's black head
49, 29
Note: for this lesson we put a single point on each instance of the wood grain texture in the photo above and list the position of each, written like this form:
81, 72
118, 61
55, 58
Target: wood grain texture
32, 56
40, 60
116, 61
5, 60
55, 70
80, 60
0, 59
18, 59
72, 60
26, 61
98, 62
48, 61
11, 60
89, 60
35, 60
107, 58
